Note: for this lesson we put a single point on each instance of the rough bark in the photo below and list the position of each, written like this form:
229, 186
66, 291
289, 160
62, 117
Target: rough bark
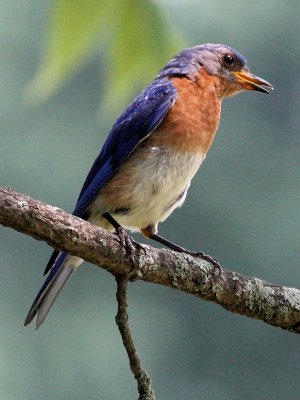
276, 305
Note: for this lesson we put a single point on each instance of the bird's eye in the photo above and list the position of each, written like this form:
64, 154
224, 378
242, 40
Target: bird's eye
228, 59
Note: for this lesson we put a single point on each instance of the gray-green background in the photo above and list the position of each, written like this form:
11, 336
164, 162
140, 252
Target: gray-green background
242, 208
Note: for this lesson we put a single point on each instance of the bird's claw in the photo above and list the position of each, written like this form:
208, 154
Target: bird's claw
130, 246
208, 258
125, 240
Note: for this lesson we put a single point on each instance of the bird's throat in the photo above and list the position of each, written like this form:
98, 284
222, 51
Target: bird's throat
192, 122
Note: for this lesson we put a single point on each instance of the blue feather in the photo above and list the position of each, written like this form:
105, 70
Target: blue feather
136, 123
56, 267
141, 117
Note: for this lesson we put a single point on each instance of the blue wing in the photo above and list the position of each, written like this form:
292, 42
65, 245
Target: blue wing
137, 122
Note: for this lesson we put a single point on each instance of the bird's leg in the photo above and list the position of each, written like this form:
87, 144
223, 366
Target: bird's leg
167, 243
121, 232
127, 242
150, 232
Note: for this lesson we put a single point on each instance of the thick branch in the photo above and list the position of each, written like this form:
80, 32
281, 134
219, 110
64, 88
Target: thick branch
252, 297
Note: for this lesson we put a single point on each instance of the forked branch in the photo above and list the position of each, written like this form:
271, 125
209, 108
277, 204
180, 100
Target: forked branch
276, 305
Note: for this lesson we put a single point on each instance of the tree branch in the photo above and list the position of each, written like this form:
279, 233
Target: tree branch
276, 305
143, 380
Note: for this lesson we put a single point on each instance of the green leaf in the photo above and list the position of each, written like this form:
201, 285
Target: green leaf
142, 44
137, 37
73, 29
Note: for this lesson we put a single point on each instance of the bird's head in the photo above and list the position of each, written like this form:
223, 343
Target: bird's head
220, 61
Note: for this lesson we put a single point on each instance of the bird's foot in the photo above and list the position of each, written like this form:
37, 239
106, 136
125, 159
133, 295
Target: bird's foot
208, 258
131, 247
203, 256
180, 249
129, 244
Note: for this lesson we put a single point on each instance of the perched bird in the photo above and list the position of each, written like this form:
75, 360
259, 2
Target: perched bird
153, 151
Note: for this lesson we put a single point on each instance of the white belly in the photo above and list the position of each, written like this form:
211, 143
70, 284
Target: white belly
158, 184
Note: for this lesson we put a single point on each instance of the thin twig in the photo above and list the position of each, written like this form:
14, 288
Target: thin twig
144, 382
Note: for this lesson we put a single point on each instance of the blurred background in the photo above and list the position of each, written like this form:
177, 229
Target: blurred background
67, 68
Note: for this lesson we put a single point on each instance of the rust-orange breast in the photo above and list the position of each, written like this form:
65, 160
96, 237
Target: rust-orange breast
192, 122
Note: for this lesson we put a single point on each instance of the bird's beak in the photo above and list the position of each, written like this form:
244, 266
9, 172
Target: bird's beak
251, 82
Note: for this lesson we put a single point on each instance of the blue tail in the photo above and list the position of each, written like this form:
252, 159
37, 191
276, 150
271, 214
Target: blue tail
61, 271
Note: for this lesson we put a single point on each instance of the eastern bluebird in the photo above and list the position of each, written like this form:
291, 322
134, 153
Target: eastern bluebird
153, 151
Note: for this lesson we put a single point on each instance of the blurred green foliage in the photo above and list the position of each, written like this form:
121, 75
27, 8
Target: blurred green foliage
126, 30
243, 206
73, 29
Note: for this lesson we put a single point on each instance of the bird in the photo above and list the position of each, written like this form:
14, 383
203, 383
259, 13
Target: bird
152, 152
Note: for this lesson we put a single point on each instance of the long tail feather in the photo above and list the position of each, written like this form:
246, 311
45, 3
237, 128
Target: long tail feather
52, 292
60, 273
